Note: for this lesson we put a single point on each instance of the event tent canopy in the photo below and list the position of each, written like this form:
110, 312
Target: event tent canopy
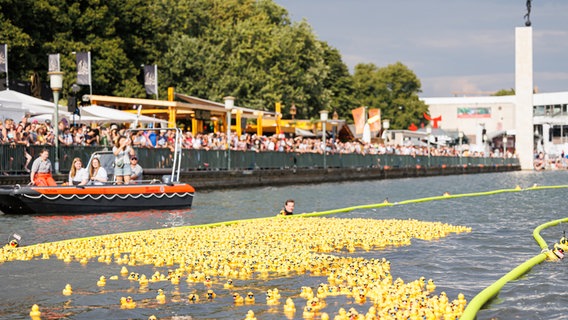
118, 115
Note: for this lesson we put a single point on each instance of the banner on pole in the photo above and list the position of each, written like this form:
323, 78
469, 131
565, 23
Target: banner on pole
3, 58
151, 79
359, 118
375, 120
83, 68
53, 65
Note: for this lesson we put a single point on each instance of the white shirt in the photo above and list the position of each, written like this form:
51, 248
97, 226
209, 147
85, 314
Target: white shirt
101, 175
80, 176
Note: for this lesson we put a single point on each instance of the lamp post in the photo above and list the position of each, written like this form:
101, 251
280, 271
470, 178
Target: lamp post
323, 118
229, 104
334, 118
56, 83
429, 131
293, 110
386, 126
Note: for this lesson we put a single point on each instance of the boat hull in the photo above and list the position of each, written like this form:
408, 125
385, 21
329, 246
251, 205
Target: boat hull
94, 199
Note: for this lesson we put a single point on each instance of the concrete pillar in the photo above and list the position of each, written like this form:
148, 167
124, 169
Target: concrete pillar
524, 141
546, 144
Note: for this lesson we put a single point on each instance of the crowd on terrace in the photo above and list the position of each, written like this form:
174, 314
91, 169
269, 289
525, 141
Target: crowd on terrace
33, 132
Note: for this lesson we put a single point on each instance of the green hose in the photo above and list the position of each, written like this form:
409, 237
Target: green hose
481, 298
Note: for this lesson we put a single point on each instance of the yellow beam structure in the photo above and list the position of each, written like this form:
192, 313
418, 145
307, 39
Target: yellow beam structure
194, 125
278, 109
259, 123
239, 129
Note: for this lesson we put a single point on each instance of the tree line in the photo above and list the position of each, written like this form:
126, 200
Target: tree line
249, 49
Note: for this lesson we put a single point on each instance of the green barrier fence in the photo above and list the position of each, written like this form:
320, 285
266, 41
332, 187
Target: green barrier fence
13, 159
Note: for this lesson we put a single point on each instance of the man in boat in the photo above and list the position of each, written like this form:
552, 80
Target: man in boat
136, 170
41, 171
288, 208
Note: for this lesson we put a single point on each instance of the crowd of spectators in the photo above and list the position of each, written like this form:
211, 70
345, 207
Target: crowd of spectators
34, 132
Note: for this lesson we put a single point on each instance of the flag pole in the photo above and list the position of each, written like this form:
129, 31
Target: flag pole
90, 81
6, 57
156, 75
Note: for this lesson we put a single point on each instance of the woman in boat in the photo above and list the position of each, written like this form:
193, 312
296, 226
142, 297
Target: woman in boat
122, 152
97, 174
78, 176
41, 171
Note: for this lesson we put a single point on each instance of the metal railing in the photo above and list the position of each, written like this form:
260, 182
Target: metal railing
13, 159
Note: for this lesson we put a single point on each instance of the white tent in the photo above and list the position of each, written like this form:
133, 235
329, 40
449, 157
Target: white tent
15, 105
118, 115
69, 117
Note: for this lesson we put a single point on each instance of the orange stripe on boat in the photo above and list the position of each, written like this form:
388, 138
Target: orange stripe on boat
116, 189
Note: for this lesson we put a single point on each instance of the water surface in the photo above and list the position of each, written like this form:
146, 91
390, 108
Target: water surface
500, 240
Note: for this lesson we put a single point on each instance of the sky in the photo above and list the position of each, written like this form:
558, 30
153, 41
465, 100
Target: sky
455, 47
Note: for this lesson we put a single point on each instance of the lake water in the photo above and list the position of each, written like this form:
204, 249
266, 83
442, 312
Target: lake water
500, 240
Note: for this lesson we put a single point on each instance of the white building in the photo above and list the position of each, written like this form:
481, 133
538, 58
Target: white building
495, 117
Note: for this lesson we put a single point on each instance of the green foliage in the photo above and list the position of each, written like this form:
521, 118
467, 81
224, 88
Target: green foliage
207, 48
393, 89
503, 92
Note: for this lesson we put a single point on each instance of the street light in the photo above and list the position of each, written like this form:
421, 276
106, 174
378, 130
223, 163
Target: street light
429, 132
334, 118
386, 126
323, 118
56, 83
229, 104
293, 110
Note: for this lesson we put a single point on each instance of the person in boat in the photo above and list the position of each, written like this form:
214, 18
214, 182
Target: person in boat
78, 176
97, 174
41, 171
122, 152
136, 170
288, 208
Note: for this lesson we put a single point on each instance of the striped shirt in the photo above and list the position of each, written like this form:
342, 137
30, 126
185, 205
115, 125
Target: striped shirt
41, 166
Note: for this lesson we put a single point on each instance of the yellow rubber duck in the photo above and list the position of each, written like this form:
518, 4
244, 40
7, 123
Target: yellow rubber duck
35, 313
210, 295
250, 315
308, 313
289, 306
193, 298
161, 297
238, 299
129, 303
102, 281
67, 291
228, 284
249, 299
124, 271
143, 281
430, 286
152, 317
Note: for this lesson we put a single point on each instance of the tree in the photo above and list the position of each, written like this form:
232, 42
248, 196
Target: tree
394, 89
503, 92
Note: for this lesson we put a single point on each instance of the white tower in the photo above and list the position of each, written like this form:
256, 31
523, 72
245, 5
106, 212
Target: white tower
524, 140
